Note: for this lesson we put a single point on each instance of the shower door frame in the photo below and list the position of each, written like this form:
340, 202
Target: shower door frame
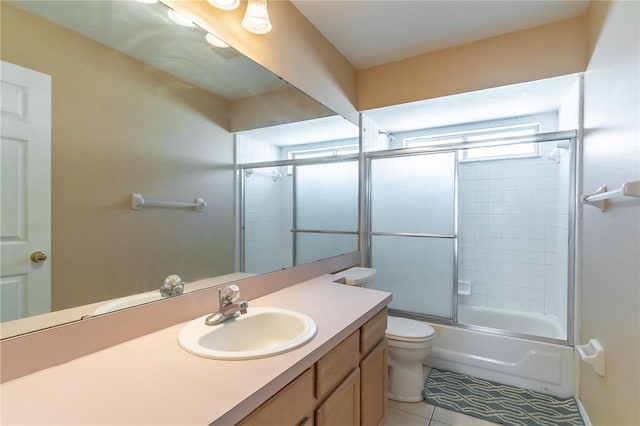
241, 169
365, 246
574, 151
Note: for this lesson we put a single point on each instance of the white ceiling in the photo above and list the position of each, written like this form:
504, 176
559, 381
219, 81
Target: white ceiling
374, 32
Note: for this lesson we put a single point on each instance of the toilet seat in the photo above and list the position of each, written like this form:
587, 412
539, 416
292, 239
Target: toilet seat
408, 330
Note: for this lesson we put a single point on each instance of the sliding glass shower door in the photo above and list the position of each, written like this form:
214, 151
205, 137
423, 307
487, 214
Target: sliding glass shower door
412, 242
325, 217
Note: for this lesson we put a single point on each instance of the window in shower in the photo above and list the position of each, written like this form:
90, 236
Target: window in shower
478, 135
331, 151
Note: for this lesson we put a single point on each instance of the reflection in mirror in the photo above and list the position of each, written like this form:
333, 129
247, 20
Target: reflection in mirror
299, 193
142, 105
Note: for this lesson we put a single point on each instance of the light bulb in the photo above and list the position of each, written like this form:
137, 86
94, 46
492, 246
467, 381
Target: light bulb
256, 19
225, 4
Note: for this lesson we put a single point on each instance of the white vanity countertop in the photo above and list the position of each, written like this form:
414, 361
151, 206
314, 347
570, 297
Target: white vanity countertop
152, 381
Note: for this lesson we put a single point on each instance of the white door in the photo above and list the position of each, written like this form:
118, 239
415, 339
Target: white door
25, 192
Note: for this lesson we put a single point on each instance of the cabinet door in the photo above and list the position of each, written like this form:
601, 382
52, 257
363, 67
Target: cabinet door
373, 386
291, 406
342, 407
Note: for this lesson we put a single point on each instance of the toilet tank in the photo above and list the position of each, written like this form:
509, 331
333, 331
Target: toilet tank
358, 276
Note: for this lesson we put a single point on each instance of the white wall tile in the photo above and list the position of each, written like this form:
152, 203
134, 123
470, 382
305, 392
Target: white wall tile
514, 206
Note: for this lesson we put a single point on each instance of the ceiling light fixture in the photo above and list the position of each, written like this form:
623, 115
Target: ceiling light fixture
225, 4
256, 19
179, 19
215, 41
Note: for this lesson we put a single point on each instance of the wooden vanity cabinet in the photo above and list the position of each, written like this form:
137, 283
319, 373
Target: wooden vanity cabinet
338, 384
292, 406
346, 387
373, 370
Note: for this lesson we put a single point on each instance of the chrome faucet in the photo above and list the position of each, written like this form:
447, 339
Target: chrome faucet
173, 286
227, 297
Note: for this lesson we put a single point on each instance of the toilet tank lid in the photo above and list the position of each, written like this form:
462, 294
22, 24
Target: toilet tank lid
405, 327
358, 275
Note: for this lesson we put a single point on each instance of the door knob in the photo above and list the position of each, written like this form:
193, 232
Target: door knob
38, 257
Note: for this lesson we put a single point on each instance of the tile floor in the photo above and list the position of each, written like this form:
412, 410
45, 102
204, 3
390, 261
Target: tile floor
423, 414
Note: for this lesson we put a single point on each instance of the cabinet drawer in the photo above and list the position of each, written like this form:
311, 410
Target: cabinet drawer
335, 365
372, 332
291, 406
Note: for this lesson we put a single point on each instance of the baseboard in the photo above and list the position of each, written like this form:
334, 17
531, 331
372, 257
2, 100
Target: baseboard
583, 413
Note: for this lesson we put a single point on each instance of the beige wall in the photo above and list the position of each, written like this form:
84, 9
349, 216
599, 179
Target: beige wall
298, 53
270, 109
545, 51
610, 289
294, 50
121, 127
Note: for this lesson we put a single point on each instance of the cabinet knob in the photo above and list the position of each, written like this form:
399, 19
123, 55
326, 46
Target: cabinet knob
38, 257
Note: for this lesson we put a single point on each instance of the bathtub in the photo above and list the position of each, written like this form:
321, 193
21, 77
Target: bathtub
529, 364
517, 322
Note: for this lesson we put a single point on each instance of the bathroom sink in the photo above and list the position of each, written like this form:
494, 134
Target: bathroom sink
127, 302
260, 333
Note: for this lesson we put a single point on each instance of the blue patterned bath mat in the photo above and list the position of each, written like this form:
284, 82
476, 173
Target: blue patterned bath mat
498, 403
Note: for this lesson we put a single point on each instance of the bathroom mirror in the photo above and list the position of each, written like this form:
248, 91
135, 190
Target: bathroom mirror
139, 104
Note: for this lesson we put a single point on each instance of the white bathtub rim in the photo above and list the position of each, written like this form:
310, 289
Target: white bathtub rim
507, 333
548, 320
539, 366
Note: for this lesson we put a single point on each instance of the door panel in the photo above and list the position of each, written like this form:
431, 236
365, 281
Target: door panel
413, 194
418, 271
327, 196
413, 231
326, 210
25, 197
311, 247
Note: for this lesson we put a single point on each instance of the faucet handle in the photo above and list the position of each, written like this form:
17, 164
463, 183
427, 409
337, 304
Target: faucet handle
172, 286
230, 294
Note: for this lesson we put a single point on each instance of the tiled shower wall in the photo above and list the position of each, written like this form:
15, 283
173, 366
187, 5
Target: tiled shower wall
512, 224
268, 217
268, 210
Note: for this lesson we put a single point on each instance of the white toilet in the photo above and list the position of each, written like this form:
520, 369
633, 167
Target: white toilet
409, 342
